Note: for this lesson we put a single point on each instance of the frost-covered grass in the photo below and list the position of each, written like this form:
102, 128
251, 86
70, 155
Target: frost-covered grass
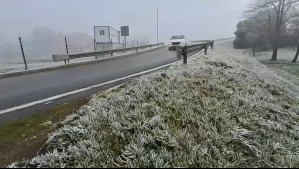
209, 114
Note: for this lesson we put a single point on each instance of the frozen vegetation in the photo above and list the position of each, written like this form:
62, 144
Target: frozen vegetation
222, 110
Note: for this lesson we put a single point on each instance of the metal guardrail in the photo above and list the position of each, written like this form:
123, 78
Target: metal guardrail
59, 57
200, 41
193, 48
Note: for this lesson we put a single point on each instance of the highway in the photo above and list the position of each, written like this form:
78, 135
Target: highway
19, 90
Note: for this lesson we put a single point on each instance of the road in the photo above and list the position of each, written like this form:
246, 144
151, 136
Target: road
24, 89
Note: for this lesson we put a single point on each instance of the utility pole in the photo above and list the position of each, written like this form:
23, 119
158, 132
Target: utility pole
157, 23
21, 45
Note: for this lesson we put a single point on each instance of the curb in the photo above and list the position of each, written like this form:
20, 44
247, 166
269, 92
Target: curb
12, 74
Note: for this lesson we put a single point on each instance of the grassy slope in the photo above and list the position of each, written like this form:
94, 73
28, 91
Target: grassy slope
23, 138
212, 115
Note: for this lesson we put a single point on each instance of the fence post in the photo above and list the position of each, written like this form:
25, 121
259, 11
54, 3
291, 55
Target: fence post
24, 58
178, 52
67, 49
111, 46
185, 53
94, 44
95, 47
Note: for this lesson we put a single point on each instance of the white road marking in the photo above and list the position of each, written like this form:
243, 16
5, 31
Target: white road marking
48, 102
50, 99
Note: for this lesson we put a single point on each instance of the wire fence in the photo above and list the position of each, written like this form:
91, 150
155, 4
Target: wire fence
38, 50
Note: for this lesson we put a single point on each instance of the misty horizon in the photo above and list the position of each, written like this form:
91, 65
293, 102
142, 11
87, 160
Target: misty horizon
76, 17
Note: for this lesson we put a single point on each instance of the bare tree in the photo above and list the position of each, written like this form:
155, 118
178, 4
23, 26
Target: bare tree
280, 9
254, 39
293, 30
253, 31
257, 31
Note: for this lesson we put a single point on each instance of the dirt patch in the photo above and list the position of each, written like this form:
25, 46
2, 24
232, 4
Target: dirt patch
22, 139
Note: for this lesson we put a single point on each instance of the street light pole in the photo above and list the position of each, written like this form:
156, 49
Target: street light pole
157, 24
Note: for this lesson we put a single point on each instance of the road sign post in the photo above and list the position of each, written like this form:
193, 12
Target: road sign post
125, 32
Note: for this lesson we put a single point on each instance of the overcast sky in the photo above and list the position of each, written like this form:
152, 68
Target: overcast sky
198, 19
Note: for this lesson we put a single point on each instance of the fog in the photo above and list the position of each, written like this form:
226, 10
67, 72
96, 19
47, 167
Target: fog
42, 24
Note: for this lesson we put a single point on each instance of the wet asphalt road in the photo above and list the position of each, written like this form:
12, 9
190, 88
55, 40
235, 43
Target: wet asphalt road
18, 90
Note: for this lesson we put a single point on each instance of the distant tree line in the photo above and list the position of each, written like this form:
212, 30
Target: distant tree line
269, 24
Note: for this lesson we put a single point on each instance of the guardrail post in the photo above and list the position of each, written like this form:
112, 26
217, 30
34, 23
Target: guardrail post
205, 46
184, 53
178, 52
